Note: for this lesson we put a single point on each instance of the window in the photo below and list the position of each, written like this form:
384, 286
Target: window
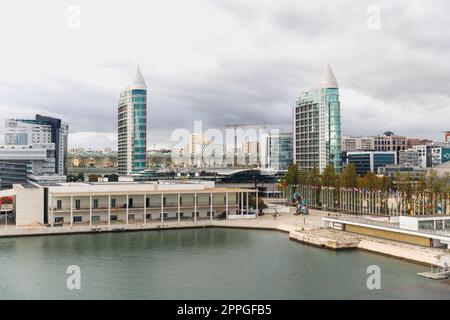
77, 204
131, 217
59, 220
164, 201
113, 203
180, 215
78, 219
58, 204
113, 217
147, 202
181, 201
96, 219
130, 203
148, 216
426, 225
95, 203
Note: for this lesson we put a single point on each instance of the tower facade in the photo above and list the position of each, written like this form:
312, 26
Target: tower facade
317, 126
132, 126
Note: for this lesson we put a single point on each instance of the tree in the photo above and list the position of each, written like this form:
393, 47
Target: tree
349, 178
93, 178
370, 181
314, 177
329, 176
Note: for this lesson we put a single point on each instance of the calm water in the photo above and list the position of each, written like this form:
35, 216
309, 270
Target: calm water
200, 264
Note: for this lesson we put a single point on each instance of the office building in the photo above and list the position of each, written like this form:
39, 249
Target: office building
132, 126
366, 161
317, 126
42, 131
126, 203
276, 151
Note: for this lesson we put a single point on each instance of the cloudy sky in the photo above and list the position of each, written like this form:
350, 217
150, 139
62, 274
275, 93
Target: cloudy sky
228, 61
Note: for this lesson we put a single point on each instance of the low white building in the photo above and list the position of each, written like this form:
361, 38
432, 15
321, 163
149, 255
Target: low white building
126, 202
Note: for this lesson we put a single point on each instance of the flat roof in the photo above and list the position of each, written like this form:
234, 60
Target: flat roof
124, 188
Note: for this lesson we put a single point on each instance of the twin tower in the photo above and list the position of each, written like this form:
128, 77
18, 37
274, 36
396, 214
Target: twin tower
132, 126
317, 126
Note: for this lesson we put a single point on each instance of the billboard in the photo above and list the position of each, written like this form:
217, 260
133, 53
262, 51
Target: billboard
445, 154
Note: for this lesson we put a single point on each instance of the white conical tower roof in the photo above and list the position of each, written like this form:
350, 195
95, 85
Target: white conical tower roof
138, 80
329, 81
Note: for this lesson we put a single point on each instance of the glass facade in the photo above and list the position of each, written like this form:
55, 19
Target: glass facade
139, 99
370, 161
331, 127
132, 131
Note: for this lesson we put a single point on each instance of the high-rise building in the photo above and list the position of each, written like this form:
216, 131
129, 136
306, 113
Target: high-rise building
276, 150
132, 126
317, 126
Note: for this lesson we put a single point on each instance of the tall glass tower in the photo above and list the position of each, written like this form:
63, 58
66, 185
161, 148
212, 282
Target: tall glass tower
132, 126
317, 126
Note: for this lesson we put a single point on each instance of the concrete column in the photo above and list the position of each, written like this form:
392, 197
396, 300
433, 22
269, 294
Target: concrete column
179, 207
71, 211
257, 209
126, 218
162, 208
246, 196
109, 209
51, 211
90, 210
145, 209
195, 207
211, 207
241, 209
226, 206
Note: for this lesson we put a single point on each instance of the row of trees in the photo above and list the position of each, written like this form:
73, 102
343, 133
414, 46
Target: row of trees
425, 195
348, 178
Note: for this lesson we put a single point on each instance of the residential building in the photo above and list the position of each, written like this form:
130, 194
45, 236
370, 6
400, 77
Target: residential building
357, 143
410, 157
366, 161
388, 141
425, 155
132, 126
411, 142
317, 126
